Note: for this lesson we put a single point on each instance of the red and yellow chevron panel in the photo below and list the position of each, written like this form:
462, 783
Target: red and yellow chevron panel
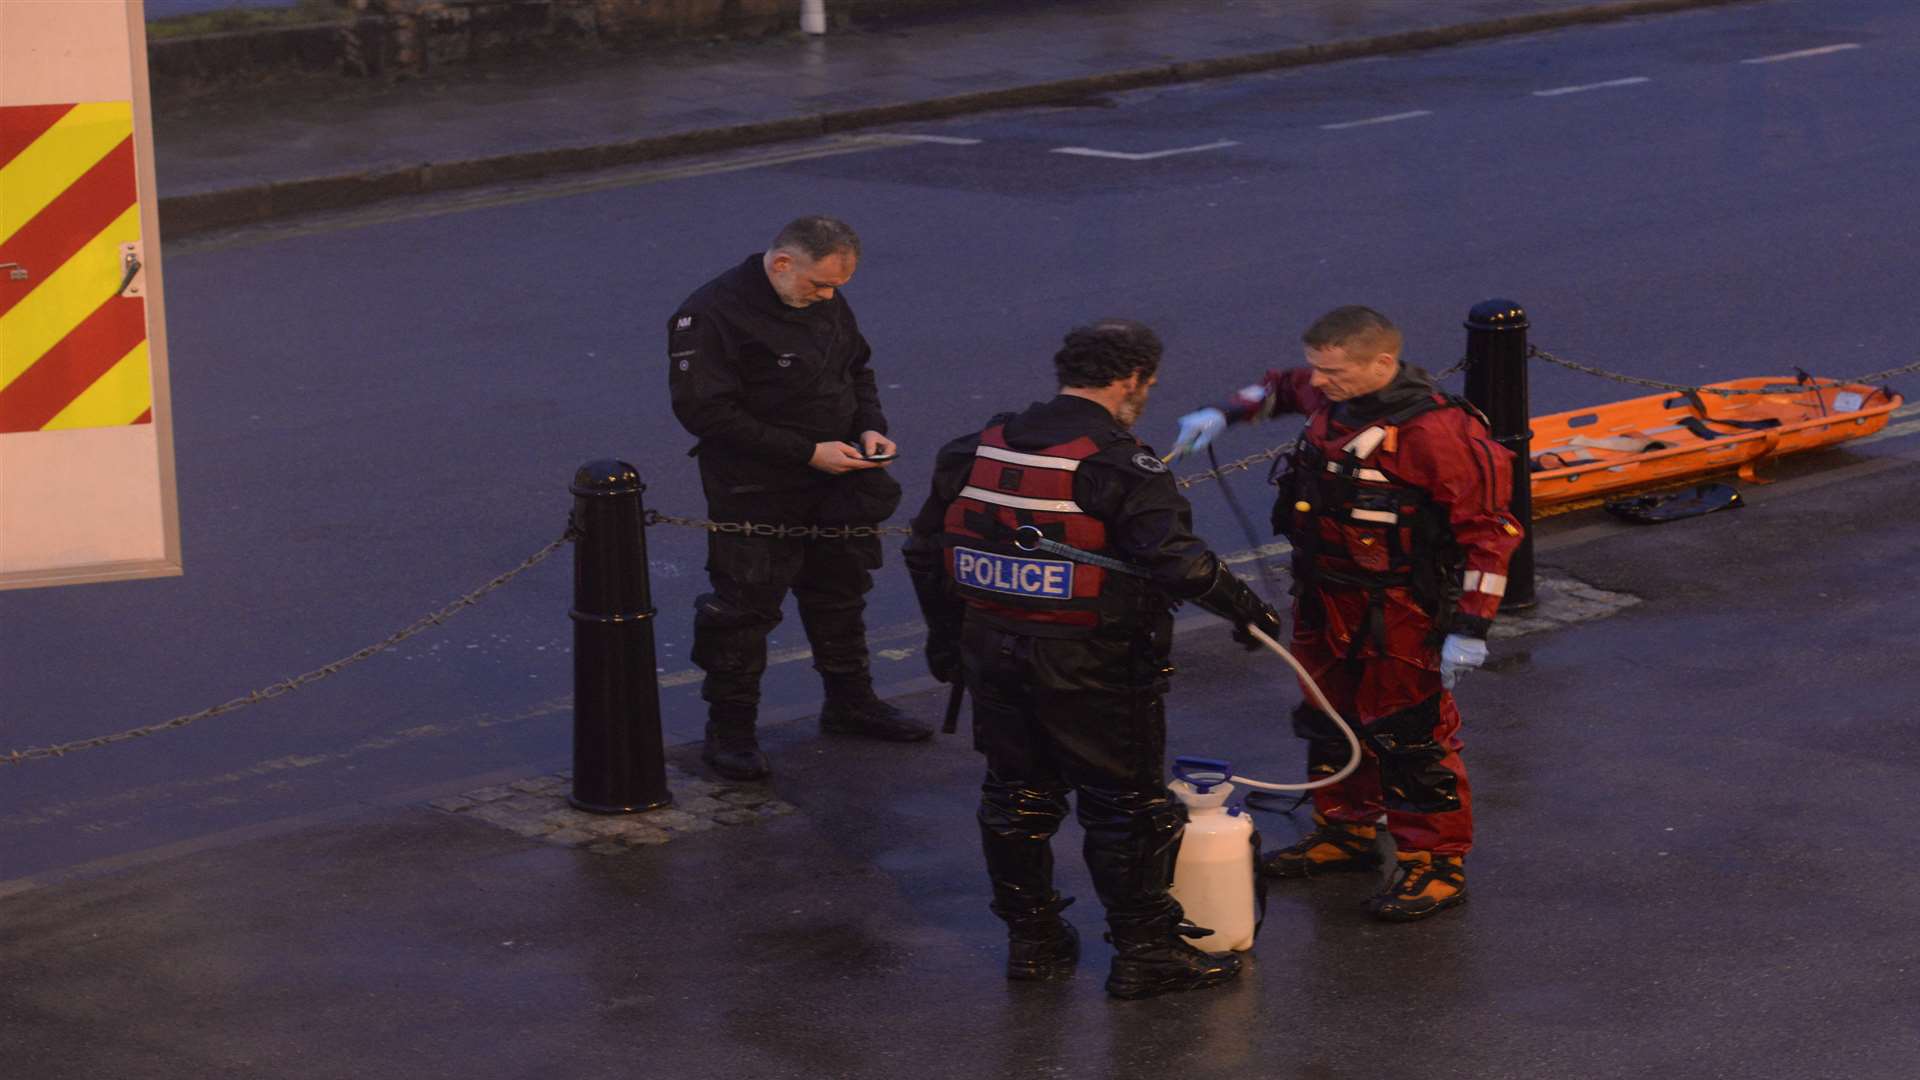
73, 350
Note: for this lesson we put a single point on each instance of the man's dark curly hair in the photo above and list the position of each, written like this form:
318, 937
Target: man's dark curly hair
1106, 352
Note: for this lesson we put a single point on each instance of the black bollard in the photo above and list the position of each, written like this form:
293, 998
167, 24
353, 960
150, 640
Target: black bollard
619, 765
1497, 385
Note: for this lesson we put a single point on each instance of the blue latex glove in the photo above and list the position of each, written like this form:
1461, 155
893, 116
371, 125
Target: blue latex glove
1457, 654
1197, 429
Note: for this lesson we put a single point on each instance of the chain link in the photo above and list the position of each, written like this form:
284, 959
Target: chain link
1656, 384
41, 753
783, 532
1240, 465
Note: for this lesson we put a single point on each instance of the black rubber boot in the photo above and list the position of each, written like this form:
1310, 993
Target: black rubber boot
1041, 946
1156, 960
1042, 954
733, 750
852, 709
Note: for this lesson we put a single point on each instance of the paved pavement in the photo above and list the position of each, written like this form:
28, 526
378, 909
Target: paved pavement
304, 146
1693, 859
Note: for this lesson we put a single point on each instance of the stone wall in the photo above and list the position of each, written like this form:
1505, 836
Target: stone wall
402, 38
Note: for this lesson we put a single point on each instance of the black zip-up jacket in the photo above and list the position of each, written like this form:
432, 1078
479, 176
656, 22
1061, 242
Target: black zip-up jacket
1149, 523
758, 383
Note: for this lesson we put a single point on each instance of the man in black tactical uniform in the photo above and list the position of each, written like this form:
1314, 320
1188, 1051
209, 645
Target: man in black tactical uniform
768, 370
1067, 659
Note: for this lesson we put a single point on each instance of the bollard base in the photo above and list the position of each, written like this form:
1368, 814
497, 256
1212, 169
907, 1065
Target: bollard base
634, 808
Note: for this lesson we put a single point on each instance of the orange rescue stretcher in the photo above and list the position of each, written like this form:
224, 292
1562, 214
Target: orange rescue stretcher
1667, 437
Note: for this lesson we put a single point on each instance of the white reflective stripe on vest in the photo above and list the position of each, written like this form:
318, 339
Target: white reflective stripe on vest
1365, 443
1017, 502
1038, 461
1490, 584
1384, 517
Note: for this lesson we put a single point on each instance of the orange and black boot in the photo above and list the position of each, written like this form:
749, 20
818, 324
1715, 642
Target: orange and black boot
1424, 884
1332, 847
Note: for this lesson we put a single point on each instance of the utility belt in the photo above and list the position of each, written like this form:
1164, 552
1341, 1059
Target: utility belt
1312, 571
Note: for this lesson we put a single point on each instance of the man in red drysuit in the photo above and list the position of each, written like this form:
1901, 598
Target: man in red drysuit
1396, 506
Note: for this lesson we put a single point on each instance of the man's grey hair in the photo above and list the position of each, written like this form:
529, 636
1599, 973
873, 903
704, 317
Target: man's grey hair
817, 237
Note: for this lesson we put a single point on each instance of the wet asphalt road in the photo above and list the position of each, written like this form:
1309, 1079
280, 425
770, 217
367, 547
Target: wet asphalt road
376, 415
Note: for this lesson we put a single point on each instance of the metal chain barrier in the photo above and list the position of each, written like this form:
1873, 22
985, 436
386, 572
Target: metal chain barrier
1241, 465
1656, 384
39, 753
784, 532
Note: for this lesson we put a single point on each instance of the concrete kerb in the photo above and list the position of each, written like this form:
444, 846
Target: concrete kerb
200, 212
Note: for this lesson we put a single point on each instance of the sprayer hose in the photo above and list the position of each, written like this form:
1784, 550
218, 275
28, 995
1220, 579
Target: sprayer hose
1319, 699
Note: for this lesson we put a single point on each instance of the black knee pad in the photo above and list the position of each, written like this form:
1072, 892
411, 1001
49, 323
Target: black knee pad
1141, 812
1412, 777
1014, 807
711, 611
725, 634
1407, 730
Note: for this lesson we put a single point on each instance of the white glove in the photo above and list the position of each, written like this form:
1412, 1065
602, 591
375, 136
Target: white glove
1457, 654
1197, 429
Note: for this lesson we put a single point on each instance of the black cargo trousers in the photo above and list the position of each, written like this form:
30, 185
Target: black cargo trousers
1082, 715
751, 576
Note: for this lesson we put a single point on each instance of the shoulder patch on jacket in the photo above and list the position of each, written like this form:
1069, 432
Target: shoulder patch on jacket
1147, 463
683, 322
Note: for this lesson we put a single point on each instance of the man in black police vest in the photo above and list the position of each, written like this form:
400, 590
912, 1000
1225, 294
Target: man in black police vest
1067, 659
768, 370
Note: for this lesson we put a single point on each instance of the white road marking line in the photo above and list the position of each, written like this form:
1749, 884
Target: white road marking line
1118, 155
1388, 119
942, 140
1802, 54
1610, 83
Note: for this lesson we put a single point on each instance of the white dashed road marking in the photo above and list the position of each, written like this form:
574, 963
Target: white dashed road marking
1082, 151
1388, 119
943, 140
1609, 84
1802, 54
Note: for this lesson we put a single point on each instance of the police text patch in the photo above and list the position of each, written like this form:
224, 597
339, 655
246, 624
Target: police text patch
1049, 578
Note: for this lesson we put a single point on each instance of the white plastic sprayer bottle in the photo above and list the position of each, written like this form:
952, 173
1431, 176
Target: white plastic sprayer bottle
1213, 879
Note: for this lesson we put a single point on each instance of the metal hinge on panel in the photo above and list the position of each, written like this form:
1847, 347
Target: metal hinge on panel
131, 283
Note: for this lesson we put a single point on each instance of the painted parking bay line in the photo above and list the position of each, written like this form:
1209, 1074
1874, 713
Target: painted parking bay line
1120, 155
1608, 85
1802, 54
1390, 118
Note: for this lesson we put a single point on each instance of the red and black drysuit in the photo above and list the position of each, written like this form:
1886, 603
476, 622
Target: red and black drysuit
1395, 503
1067, 662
